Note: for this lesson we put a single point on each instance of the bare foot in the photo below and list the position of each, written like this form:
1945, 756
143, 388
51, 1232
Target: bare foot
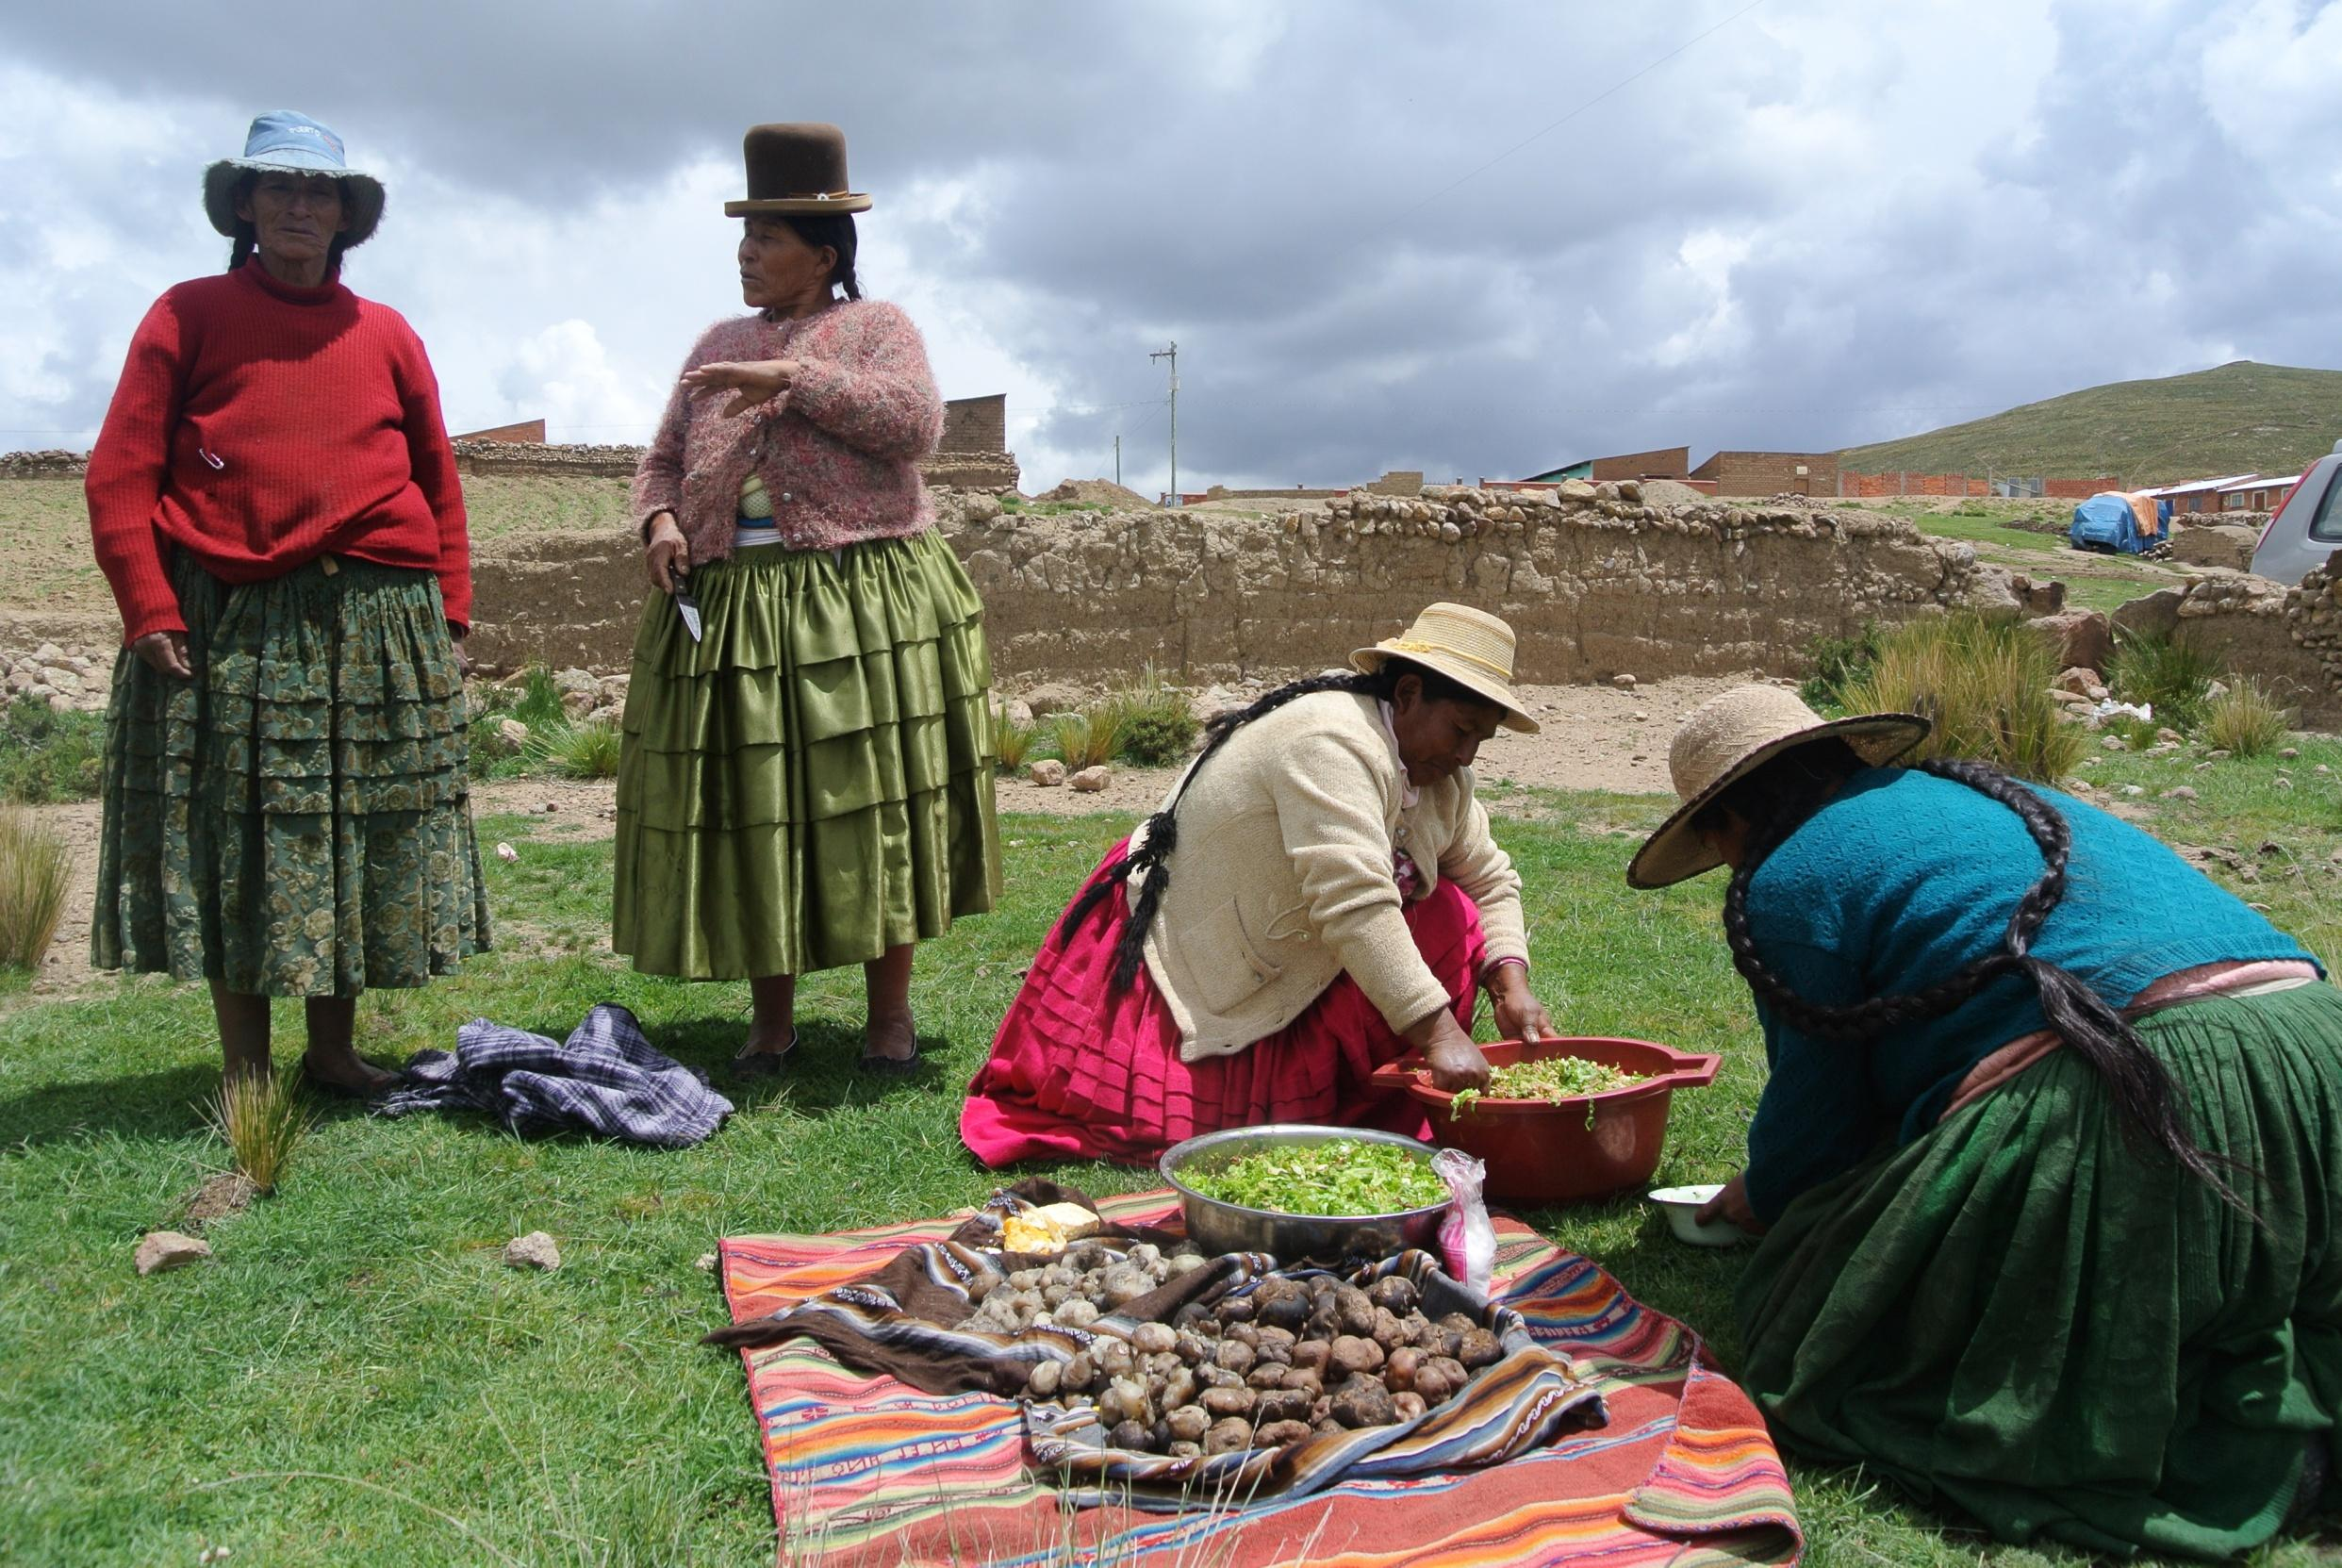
893, 1038
769, 1039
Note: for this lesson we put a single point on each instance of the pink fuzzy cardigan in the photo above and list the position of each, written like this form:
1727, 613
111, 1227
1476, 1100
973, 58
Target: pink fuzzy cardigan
837, 452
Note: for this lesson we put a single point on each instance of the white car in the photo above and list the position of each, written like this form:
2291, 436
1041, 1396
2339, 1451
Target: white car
2307, 528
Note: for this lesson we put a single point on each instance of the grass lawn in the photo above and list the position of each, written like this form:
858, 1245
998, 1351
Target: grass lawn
356, 1372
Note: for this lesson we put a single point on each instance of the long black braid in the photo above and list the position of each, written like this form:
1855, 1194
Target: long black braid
2153, 1107
1162, 830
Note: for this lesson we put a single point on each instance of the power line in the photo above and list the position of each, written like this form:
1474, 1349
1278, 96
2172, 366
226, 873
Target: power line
1608, 91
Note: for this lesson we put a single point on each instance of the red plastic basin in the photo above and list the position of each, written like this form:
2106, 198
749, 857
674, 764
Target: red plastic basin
1566, 1151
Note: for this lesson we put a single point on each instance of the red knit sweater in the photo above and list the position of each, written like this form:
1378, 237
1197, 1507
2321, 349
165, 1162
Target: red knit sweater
259, 425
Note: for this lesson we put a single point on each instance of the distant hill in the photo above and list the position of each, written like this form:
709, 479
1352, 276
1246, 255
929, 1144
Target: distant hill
2242, 418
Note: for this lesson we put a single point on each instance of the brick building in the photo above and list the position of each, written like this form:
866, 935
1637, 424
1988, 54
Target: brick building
1772, 472
976, 424
528, 432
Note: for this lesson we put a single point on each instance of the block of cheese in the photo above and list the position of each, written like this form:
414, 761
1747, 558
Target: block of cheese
1072, 1219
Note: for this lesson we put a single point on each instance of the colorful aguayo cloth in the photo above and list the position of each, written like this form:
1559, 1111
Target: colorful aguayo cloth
870, 1471
295, 820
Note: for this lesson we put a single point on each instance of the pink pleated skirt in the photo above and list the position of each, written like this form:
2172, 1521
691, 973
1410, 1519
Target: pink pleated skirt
1081, 1072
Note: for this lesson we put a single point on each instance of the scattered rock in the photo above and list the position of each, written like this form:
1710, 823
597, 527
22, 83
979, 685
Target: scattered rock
1090, 780
2133, 789
1049, 772
2114, 743
1017, 711
2183, 792
2284, 782
167, 1249
534, 1250
1642, 719
2078, 638
509, 736
2077, 681
2217, 689
507, 853
1624, 683
2288, 752
1044, 701
229, 1192
707, 1262
2216, 756
2170, 737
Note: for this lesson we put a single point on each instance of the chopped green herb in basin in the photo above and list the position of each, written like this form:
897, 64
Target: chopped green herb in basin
1331, 1181
1555, 1077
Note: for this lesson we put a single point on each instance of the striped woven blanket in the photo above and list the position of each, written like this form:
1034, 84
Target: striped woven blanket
869, 1471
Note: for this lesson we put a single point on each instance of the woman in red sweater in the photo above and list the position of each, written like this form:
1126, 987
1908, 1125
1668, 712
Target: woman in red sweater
274, 502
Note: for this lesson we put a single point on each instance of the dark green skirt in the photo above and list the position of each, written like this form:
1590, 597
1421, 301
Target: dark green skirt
811, 785
2015, 1315
295, 821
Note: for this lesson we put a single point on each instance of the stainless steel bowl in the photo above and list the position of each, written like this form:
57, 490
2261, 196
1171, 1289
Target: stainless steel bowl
1218, 1227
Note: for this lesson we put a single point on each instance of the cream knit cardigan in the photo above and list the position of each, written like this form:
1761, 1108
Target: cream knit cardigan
1284, 878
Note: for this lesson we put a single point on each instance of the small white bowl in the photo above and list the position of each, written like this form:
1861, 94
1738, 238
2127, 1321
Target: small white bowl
1682, 1205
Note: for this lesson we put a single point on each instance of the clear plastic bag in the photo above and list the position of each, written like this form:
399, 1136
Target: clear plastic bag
1467, 1238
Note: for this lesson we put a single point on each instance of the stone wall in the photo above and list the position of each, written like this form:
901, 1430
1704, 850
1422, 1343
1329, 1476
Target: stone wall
2287, 639
43, 464
1596, 583
2215, 544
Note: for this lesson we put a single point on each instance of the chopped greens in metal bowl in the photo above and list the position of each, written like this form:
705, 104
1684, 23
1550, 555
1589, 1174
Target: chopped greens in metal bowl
1346, 1179
1555, 1077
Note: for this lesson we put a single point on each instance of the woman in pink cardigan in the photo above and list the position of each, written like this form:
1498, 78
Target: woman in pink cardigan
806, 778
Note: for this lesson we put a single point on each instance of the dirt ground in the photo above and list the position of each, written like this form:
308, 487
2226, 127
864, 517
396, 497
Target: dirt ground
1594, 737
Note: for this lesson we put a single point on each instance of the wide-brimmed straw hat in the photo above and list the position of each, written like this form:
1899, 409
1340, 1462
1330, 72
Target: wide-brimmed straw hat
1470, 647
282, 142
1729, 736
797, 171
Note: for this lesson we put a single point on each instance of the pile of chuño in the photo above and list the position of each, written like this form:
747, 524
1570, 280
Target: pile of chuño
1287, 1359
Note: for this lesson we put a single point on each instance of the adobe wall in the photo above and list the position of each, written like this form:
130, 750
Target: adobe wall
1595, 583
2288, 639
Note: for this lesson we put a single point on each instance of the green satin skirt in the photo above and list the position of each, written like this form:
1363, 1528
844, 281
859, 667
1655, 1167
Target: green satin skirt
810, 784
2017, 1316
295, 821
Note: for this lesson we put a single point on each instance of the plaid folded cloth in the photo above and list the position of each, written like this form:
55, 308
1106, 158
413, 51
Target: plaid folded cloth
605, 1079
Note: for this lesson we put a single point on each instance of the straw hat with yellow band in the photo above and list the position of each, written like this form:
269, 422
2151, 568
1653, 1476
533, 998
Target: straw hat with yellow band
1470, 647
1731, 737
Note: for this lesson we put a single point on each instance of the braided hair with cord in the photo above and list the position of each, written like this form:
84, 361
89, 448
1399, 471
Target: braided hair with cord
1777, 798
1161, 830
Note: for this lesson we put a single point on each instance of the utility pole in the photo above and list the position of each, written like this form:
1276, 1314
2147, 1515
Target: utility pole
1117, 459
1172, 354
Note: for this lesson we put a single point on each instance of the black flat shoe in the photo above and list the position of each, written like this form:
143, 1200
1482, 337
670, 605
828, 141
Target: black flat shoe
890, 1067
763, 1064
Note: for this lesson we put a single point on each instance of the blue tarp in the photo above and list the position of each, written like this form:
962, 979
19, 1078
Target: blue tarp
2105, 522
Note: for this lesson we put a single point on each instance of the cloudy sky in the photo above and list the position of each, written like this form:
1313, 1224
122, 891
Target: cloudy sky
1477, 239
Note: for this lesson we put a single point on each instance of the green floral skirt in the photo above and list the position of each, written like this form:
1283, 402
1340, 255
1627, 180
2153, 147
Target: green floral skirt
295, 821
811, 785
2016, 1314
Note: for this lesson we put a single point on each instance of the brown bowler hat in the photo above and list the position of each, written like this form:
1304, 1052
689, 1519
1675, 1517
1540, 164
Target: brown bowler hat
797, 171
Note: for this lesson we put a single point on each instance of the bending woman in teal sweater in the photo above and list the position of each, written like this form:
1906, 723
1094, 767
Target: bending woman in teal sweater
2047, 1162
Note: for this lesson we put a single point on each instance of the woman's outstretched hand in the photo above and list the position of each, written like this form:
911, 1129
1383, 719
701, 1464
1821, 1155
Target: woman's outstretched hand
1455, 1062
1732, 1204
165, 653
1519, 1015
750, 381
665, 553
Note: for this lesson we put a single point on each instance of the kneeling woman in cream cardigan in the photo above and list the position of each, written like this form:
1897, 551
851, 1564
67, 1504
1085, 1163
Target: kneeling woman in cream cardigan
1318, 896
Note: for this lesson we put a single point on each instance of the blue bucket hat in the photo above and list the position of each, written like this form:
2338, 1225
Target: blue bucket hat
285, 141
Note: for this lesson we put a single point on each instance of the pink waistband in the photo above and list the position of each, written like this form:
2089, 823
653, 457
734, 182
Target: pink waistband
2205, 980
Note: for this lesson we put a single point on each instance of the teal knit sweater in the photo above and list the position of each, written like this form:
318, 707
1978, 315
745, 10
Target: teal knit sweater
1900, 879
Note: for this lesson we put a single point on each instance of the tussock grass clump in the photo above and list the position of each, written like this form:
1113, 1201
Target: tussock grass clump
1837, 663
537, 703
587, 749
2158, 673
262, 1118
1087, 739
48, 756
1985, 684
2245, 721
36, 868
1156, 724
1011, 742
